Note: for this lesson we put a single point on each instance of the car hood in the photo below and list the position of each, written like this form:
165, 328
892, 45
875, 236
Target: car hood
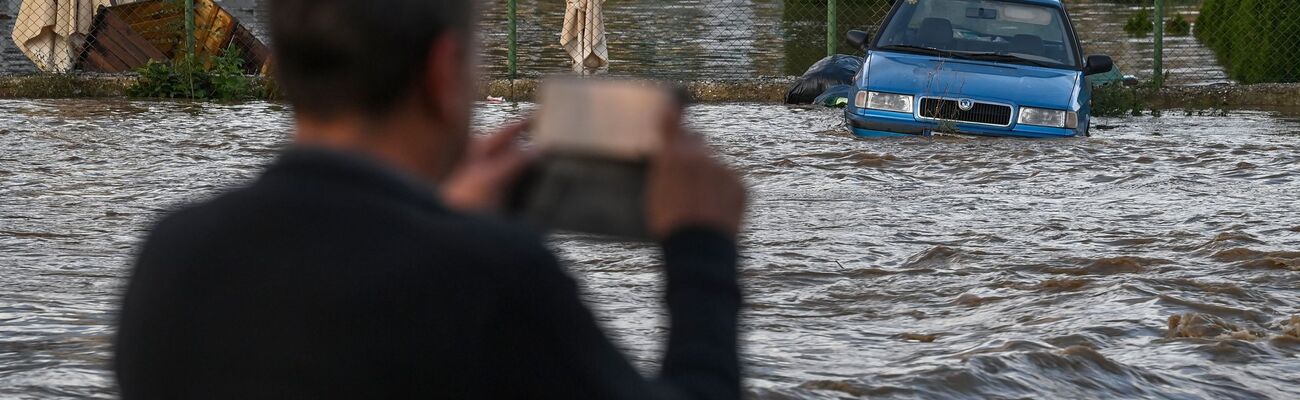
978, 80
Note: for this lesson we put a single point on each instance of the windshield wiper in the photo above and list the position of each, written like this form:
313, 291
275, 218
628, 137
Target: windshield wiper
1004, 57
919, 49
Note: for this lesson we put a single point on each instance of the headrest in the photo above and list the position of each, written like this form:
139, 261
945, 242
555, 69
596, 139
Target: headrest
935, 32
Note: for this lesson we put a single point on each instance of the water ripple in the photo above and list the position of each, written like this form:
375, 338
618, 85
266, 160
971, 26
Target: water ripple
882, 268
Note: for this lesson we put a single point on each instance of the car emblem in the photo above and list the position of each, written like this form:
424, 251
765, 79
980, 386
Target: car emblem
966, 104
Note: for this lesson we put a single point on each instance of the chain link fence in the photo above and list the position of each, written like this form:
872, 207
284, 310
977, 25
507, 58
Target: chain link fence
120, 36
1146, 36
1255, 40
1189, 42
685, 39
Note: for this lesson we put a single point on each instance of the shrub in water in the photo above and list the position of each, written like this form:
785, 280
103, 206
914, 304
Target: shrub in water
227, 77
220, 78
1140, 24
1178, 26
1117, 100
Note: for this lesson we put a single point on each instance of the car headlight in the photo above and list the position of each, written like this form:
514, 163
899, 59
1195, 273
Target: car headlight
1049, 118
884, 101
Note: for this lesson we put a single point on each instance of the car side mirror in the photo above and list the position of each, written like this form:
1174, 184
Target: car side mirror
858, 39
1098, 65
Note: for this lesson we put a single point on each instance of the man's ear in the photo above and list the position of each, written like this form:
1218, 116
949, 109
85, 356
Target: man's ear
445, 86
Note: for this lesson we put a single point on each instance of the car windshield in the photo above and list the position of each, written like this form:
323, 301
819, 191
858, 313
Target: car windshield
992, 30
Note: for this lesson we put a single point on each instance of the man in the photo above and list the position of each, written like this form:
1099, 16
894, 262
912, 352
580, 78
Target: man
359, 265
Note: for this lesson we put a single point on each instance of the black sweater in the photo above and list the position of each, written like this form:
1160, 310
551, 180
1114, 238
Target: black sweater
333, 277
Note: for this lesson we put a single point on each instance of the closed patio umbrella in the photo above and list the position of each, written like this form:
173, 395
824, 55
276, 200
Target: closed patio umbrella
583, 36
50, 32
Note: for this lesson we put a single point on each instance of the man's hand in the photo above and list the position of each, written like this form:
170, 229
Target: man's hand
490, 168
689, 188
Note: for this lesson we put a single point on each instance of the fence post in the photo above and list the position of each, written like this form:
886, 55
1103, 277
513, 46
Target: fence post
1159, 58
832, 8
512, 61
189, 27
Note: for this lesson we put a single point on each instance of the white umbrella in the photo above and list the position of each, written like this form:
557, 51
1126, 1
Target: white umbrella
584, 34
51, 32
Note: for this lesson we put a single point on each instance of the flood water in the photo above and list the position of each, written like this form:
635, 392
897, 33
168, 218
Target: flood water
924, 268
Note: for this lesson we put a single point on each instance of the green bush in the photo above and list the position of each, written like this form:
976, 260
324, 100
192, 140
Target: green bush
191, 78
1140, 24
1255, 40
1117, 100
1177, 26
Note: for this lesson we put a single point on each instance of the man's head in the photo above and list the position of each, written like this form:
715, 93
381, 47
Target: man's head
379, 65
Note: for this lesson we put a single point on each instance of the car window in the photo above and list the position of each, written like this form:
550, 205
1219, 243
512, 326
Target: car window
1032, 32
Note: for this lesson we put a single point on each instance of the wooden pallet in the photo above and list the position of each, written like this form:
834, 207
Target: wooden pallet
125, 37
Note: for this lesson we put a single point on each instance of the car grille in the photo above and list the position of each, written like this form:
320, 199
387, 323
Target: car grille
981, 113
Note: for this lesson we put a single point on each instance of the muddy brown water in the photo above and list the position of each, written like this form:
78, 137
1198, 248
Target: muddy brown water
925, 268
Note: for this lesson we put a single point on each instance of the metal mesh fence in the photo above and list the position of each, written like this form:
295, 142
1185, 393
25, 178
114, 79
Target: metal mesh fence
1127, 31
690, 39
118, 36
1190, 42
1197, 42
1254, 40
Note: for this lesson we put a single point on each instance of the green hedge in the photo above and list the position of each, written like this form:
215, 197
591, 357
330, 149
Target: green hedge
1256, 40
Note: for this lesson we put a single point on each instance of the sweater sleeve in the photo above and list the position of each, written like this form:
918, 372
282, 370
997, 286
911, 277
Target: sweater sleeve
554, 348
704, 302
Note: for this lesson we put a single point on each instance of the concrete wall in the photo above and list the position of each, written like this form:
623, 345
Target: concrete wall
252, 13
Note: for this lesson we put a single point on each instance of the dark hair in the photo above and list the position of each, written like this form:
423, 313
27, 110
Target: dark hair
358, 55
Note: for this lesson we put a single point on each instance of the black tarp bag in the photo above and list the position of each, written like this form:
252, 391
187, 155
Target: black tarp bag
835, 70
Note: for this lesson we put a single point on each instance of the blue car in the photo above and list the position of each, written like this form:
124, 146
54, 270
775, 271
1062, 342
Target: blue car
1007, 68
